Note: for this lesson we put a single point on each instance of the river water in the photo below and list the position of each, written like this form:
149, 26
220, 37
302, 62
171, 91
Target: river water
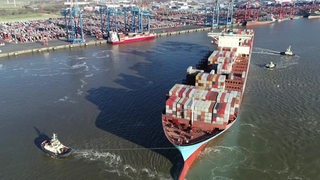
106, 101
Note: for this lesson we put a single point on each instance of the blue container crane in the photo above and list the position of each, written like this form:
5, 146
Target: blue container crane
144, 14
216, 14
206, 20
112, 19
134, 13
73, 23
230, 13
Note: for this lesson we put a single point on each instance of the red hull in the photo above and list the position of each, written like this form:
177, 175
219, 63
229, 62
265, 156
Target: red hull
134, 39
189, 162
258, 23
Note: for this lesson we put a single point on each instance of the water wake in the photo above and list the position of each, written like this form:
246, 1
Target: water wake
65, 99
79, 65
265, 51
114, 163
101, 54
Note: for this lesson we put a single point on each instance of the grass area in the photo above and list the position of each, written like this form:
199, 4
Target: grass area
26, 10
19, 4
27, 17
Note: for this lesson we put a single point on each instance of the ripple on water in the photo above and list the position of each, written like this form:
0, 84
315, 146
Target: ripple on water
114, 163
103, 54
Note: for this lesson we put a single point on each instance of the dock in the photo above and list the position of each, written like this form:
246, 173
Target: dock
32, 48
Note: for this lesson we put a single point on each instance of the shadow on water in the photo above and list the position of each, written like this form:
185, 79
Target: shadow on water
134, 113
131, 119
40, 138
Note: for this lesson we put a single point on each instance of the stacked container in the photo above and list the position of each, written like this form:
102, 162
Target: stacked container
210, 81
200, 106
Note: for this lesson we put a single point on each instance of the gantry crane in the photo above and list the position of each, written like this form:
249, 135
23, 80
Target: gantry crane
144, 14
216, 14
230, 13
73, 23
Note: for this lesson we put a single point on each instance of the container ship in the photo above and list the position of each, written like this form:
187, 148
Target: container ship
208, 103
121, 38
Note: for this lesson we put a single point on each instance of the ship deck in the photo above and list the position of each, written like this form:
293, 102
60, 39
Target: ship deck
184, 134
182, 130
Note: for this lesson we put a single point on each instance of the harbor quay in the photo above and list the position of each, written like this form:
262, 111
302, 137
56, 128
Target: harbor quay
15, 49
93, 25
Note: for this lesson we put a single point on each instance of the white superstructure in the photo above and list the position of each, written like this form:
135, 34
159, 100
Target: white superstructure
230, 39
55, 147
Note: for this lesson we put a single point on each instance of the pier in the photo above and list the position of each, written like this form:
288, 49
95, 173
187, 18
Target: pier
60, 45
171, 33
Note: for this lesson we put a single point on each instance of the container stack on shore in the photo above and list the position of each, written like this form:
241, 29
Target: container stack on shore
31, 31
55, 28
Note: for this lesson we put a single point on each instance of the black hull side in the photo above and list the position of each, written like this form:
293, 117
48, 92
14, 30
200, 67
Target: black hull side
284, 53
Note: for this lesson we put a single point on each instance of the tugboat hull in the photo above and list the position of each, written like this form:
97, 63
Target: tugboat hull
65, 152
285, 54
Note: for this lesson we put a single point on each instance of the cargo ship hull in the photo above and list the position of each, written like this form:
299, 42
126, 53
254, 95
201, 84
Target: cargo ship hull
269, 20
191, 153
198, 113
258, 23
317, 16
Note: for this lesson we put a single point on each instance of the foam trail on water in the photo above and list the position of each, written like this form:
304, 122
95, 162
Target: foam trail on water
114, 163
79, 65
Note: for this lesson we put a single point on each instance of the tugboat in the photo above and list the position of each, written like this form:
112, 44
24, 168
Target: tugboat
270, 65
288, 52
55, 148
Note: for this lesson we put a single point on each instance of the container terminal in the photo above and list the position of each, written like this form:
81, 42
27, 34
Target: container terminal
82, 21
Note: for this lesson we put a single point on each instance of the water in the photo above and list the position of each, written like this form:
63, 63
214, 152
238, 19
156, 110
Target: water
106, 103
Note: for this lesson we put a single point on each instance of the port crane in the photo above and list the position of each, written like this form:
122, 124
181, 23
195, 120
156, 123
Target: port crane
109, 16
140, 15
132, 20
134, 15
73, 22
230, 13
144, 14
216, 14
220, 15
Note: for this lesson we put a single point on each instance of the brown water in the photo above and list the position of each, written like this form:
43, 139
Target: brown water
106, 103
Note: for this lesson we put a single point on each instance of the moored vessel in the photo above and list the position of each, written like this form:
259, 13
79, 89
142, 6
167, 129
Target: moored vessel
268, 20
203, 109
55, 148
314, 14
121, 38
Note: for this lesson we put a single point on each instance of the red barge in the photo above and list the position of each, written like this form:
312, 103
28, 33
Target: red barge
121, 38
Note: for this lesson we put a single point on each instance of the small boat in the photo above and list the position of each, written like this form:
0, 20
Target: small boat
288, 52
55, 148
270, 65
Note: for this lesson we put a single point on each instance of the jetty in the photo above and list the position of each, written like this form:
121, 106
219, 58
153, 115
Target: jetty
14, 49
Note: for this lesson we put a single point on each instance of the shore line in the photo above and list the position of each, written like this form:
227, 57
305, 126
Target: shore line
91, 43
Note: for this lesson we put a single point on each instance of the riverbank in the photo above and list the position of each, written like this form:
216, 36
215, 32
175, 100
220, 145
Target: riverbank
13, 49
